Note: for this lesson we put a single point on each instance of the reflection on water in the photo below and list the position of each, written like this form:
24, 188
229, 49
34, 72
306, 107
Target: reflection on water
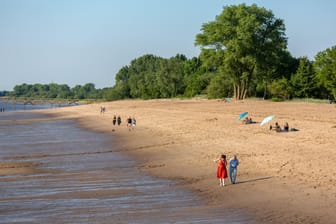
76, 183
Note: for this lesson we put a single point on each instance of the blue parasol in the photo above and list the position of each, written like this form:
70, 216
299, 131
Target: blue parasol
242, 115
267, 119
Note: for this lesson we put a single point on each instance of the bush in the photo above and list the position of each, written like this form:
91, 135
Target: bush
280, 89
277, 99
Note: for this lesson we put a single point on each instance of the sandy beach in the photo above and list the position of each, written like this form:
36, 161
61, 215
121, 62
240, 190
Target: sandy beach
282, 177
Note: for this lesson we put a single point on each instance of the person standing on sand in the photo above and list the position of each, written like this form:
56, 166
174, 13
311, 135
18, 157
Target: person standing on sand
102, 110
129, 123
221, 170
119, 120
233, 169
133, 123
114, 121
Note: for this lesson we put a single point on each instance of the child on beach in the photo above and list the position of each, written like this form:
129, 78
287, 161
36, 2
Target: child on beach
221, 170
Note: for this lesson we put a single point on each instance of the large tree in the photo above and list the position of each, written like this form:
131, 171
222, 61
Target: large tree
241, 41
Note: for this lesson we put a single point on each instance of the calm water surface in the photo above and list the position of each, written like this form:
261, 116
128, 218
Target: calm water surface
10, 106
81, 180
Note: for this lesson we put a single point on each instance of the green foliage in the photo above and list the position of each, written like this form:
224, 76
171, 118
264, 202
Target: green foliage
325, 66
56, 91
150, 77
280, 89
304, 81
276, 99
260, 89
197, 83
220, 87
241, 40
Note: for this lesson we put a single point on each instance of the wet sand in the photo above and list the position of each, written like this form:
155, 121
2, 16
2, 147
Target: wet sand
52, 171
282, 178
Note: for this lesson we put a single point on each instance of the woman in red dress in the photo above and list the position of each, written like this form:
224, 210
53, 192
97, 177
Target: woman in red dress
221, 170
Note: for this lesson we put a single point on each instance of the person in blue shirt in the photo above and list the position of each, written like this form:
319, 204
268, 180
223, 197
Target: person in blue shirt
233, 169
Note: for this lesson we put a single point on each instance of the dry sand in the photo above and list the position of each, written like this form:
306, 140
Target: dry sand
282, 177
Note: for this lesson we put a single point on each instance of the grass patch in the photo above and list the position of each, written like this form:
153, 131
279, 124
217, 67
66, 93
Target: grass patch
310, 100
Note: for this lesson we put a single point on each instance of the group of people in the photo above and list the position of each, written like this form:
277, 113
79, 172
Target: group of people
222, 173
248, 120
116, 120
277, 127
131, 122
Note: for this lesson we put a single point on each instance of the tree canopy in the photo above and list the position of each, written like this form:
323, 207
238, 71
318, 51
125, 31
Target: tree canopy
150, 76
241, 42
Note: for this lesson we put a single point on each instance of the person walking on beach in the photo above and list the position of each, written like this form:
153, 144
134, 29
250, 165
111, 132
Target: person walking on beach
233, 169
129, 123
114, 121
133, 123
102, 110
221, 170
119, 120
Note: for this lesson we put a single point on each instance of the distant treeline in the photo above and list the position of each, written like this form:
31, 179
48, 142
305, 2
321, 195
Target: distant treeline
243, 54
150, 77
56, 91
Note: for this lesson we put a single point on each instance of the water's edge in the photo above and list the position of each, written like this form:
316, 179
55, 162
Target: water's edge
76, 183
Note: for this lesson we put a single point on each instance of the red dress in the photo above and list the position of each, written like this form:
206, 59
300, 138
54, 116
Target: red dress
221, 169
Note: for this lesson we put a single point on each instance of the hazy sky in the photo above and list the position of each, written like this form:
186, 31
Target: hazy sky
75, 42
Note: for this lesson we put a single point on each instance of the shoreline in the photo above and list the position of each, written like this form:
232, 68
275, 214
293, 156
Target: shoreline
279, 177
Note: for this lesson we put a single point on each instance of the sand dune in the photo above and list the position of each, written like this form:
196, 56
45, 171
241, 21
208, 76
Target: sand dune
283, 177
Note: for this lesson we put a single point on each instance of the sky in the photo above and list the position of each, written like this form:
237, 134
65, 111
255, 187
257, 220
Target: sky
75, 42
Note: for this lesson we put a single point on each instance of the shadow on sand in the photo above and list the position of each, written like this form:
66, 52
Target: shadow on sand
253, 180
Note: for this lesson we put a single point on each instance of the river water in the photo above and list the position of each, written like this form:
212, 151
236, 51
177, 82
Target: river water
78, 178
9, 106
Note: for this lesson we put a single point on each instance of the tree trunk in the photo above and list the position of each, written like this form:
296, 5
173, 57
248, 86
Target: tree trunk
265, 91
238, 93
244, 95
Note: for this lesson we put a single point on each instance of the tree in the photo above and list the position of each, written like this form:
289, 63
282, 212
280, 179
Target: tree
304, 81
325, 66
142, 76
240, 41
121, 89
281, 65
21, 90
150, 77
171, 77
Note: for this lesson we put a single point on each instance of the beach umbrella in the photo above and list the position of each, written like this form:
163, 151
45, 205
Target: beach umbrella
242, 115
267, 119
